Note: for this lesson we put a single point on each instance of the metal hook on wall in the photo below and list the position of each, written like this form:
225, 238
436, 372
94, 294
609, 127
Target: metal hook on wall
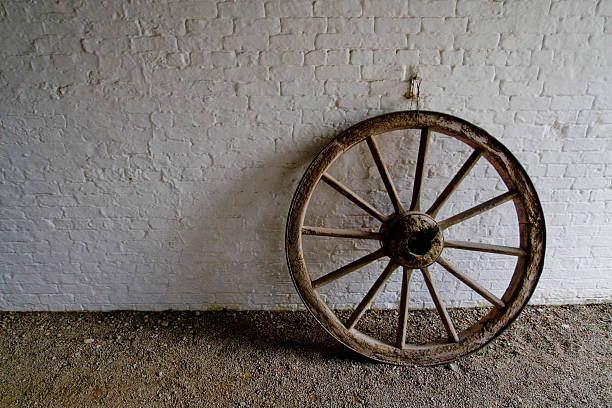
414, 91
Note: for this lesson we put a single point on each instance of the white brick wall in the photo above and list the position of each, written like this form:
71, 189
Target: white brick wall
149, 150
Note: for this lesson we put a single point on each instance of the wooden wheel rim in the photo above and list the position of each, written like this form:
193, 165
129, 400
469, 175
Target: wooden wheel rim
531, 232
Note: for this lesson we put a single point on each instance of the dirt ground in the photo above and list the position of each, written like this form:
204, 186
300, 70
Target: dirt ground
551, 356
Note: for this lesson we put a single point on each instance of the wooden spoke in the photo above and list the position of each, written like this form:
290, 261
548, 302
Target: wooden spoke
446, 320
365, 302
415, 205
454, 183
481, 247
346, 269
475, 286
384, 174
340, 233
345, 191
403, 309
479, 209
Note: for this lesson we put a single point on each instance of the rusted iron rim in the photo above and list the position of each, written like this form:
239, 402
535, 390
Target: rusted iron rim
520, 190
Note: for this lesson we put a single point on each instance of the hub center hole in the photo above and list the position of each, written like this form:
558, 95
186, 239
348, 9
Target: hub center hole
420, 242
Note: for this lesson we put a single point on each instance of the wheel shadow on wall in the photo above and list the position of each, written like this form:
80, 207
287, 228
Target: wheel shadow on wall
232, 251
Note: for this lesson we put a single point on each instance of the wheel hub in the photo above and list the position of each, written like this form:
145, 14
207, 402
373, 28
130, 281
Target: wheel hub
413, 239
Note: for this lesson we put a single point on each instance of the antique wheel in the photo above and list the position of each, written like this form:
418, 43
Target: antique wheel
411, 236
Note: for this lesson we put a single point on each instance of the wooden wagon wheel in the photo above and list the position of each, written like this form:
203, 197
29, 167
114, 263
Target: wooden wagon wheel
411, 237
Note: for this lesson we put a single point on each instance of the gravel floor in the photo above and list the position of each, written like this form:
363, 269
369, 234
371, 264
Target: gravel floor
551, 356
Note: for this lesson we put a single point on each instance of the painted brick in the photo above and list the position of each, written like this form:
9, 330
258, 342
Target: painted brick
246, 26
337, 57
289, 8
221, 26
432, 8
292, 72
350, 25
564, 87
521, 41
380, 72
292, 42
488, 40
241, 8
301, 87
154, 44
385, 8
516, 73
575, 8
532, 88
267, 88
246, 74
385, 41
361, 57
571, 102
529, 103
245, 42
408, 57
339, 72
478, 8
397, 25
191, 9
54, 44
430, 57
602, 42
565, 40
485, 73
452, 57
489, 25
222, 59
519, 58
581, 24
445, 25
333, 41
333, 8
474, 57
429, 40
604, 8
346, 88
316, 57
303, 25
